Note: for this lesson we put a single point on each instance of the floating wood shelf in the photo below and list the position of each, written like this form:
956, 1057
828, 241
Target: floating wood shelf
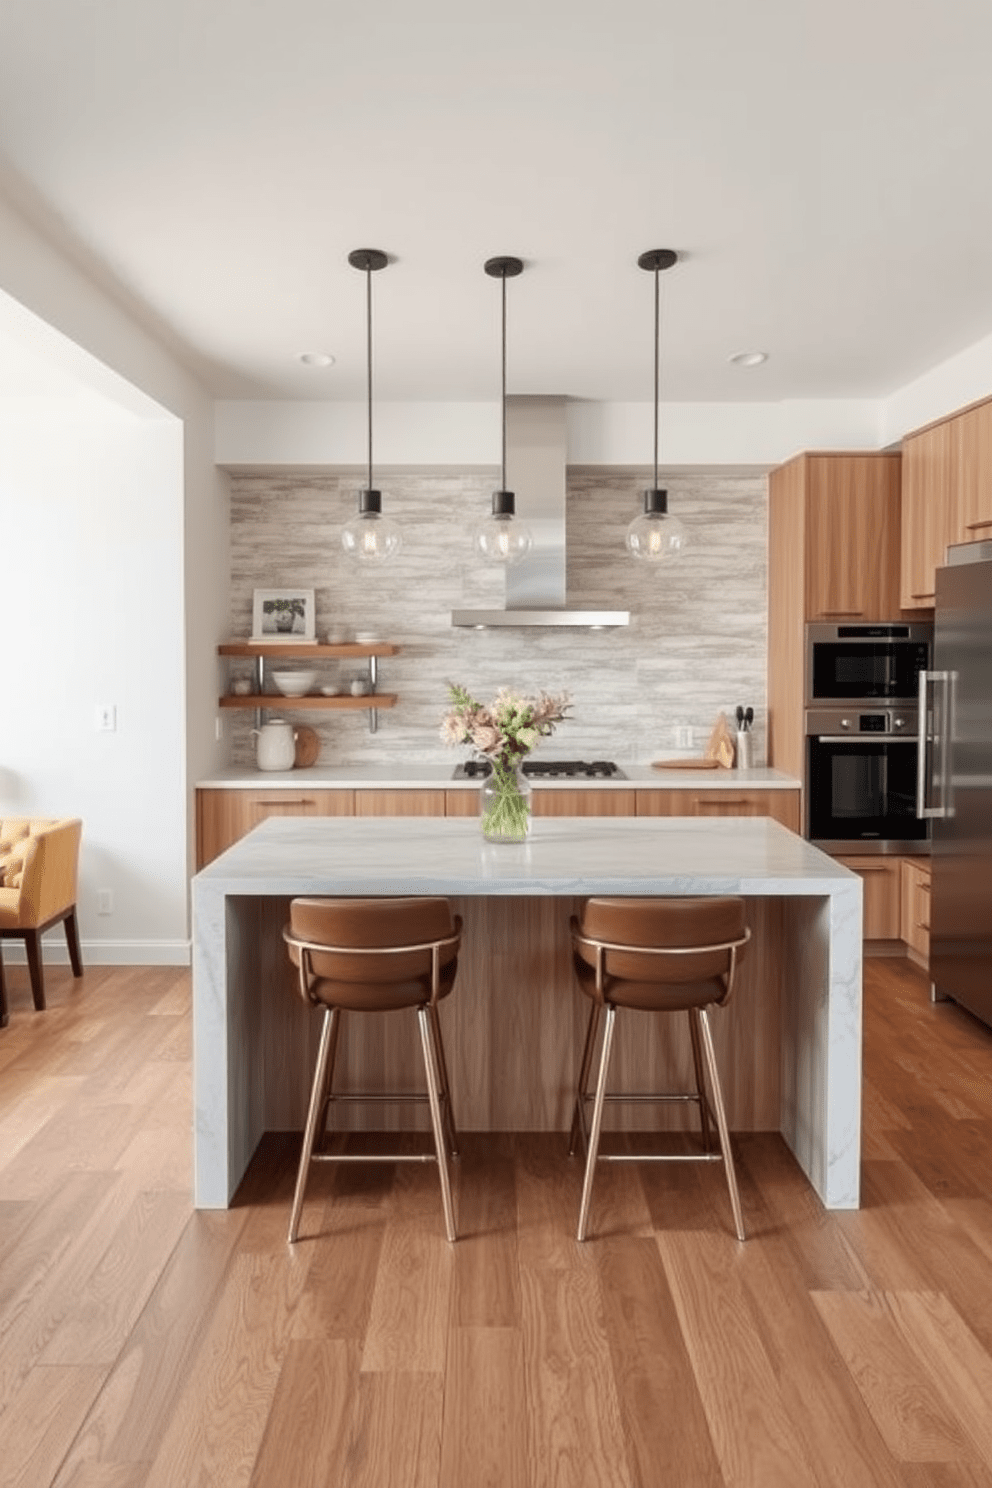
298, 650
276, 700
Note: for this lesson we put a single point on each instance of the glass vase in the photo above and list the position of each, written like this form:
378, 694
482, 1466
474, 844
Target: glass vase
506, 804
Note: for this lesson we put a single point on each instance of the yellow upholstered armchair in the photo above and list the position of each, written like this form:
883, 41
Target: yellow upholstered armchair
38, 865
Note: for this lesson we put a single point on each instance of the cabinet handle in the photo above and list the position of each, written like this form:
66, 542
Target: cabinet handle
973, 526
929, 595
287, 801
871, 868
921, 925
842, 614
726, 801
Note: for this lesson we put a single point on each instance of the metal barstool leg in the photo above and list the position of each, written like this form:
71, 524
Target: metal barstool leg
721, 1122
430, 1066
328, 1081
317, 1095
697, 1059
442, 1069
578, 1125
597, 1121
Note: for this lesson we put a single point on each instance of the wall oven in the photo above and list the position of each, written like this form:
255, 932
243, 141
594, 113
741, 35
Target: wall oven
862, 736
861, 780
861, 663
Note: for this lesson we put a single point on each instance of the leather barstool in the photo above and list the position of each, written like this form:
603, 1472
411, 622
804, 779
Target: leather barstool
657, 956
376, 956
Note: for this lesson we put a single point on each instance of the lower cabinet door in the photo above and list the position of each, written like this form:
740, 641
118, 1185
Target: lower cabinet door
915, 908
881, 895
781, 805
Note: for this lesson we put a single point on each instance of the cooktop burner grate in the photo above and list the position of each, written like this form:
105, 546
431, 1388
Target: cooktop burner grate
548, 769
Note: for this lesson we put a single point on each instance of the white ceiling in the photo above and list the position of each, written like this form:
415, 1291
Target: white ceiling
822, 170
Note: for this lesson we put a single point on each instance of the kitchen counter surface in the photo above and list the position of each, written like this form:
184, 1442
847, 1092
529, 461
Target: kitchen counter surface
804, 968
424, 776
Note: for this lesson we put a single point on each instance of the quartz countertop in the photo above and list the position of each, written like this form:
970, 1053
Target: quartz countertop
429, 776
448, 855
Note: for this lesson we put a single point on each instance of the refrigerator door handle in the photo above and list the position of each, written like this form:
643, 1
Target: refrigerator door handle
938, 742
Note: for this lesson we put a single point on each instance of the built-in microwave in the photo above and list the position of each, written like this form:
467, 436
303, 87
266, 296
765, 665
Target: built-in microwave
849, 664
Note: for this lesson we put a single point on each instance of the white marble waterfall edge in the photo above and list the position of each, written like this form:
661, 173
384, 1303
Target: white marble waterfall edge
755, 857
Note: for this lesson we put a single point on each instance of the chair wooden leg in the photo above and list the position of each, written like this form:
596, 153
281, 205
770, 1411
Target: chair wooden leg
4, 1014
72, 941
597, 1121
317, 1103
442, 1070
578, 1125
721, 1122
32, 944
697, 1059
437, 1121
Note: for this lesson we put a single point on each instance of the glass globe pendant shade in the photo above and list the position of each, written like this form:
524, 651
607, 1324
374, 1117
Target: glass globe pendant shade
655, 536
370, 537
501, 538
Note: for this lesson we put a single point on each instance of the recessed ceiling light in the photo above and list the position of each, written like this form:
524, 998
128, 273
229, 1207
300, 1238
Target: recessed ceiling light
748, 358
316, 359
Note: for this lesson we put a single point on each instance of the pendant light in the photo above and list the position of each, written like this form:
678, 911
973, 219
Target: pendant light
655, 536
501, 538
369, 537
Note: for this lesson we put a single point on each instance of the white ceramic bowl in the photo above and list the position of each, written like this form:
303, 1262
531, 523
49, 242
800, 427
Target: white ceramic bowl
331, 689
294, 684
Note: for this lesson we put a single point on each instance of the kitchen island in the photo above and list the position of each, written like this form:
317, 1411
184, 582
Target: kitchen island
789, 1044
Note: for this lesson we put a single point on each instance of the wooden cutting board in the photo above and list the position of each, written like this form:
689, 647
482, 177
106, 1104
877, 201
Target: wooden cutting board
686, 764
307, 747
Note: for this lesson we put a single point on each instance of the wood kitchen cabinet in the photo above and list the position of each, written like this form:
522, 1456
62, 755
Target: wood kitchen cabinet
400, 802
833, 554
882, 905
973, 508
223, 817
781, 805
914, 909
586, 801
930, 475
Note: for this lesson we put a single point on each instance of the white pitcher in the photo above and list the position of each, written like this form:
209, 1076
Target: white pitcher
275, 746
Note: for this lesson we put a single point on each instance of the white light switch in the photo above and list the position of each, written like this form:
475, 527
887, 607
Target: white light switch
106, 718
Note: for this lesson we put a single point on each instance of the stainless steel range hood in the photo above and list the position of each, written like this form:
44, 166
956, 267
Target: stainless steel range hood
536, 447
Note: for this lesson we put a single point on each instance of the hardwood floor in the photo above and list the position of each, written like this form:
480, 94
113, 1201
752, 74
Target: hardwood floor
145, 1345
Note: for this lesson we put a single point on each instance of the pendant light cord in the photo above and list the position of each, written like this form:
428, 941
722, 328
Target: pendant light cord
657, 362
503, 392
368, 358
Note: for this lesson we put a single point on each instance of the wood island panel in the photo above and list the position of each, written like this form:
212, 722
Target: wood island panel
514, 1029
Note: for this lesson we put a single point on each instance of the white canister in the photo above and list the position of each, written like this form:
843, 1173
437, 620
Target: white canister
275, 746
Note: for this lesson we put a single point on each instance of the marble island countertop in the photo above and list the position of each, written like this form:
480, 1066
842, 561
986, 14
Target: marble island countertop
431, 776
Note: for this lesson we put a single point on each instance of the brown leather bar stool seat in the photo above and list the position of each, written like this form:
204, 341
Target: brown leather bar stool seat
376, 956
658, 956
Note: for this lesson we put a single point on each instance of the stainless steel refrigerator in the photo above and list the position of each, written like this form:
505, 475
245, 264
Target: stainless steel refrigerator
955, 781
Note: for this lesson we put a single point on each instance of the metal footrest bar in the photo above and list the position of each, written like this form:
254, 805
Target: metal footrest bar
368, 1157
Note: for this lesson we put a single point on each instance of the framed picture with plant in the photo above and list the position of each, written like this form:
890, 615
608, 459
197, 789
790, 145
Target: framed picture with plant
283, 615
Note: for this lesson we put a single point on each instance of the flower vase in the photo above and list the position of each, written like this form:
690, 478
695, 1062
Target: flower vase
506, 804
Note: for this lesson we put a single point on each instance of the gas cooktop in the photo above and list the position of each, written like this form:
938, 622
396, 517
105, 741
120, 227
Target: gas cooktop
547, 770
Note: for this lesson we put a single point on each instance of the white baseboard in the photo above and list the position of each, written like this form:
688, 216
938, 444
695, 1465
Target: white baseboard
104, 952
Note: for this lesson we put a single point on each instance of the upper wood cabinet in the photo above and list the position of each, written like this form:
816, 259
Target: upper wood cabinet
973, 509
852, 536
930, 462
833, 554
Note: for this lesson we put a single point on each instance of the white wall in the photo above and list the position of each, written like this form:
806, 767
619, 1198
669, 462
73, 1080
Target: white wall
92, 560
51, 308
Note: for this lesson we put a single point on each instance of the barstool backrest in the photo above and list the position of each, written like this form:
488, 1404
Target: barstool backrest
374, 943
683, 939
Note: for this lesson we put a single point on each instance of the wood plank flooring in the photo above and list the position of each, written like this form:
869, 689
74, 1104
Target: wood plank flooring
145, 1345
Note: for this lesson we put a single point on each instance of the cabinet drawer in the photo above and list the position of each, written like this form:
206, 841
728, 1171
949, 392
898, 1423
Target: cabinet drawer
399, 802
914, 900
881, 895
223, 817
781, 805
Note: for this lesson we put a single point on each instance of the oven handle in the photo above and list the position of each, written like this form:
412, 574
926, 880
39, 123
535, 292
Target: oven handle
867, 738
923, 811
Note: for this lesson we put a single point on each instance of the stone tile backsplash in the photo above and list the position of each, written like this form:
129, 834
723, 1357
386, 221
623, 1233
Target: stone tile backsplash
696, 644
